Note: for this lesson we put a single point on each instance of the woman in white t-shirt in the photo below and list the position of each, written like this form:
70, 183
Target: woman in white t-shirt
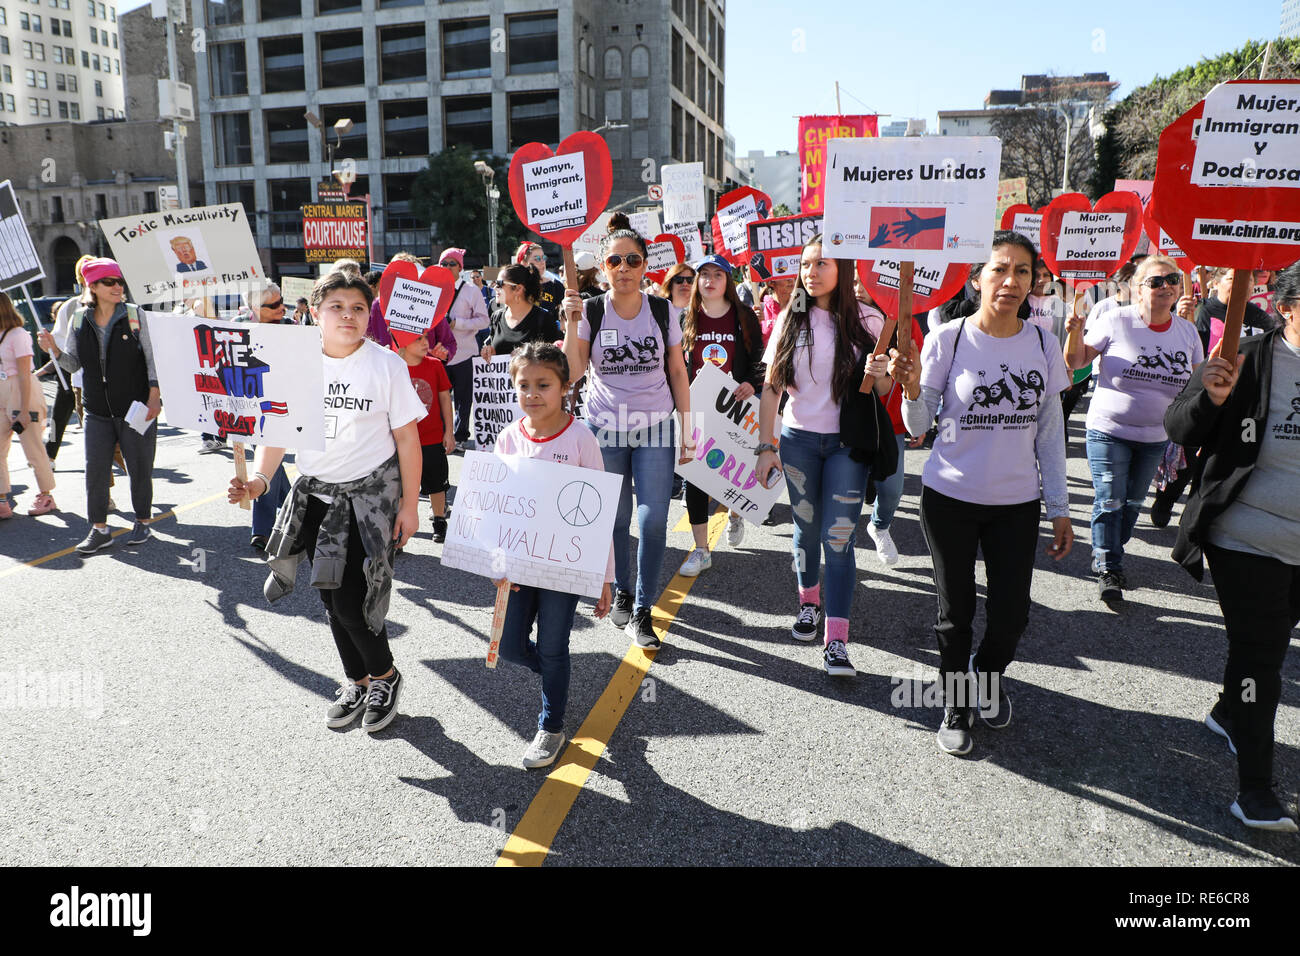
814, 355
1000, 440
1146, 359
22, 411
354, 502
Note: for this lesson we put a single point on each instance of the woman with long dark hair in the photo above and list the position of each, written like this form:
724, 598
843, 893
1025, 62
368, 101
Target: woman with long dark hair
1244, 520
720, 330
999, 452
815, 355
519, 320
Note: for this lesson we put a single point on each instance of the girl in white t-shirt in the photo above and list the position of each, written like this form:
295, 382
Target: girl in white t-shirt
549, 433
814, 355
1000, 448
22, 411
353, 503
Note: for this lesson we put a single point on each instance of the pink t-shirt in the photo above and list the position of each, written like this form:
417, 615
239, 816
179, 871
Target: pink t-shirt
812, 406
627, 385
572, 445
1142, 371
992, 388
16, 344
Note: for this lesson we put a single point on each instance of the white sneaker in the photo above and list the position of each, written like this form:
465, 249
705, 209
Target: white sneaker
735, 531
543, 750
697, 561
886, 550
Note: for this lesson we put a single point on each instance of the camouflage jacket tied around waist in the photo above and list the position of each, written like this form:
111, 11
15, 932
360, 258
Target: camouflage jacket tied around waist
374, 499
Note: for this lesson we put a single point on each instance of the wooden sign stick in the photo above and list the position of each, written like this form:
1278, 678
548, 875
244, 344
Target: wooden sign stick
1074, 338
209, 311
1200, 280
498, 623
1242, 282
903, 323
882, 343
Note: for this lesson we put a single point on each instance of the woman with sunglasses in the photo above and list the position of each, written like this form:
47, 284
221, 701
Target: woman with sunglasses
550, 290
676, 288
109, 340
1146, 359
630, 348
519, 319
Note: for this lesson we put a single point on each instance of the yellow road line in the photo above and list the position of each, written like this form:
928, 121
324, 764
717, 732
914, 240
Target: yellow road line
532, 838
66, 551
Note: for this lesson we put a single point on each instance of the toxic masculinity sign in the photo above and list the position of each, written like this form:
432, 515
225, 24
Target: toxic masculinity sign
334, 230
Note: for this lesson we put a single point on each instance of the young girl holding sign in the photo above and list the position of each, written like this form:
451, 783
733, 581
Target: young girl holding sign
814, 355
352, 503
541, 376
631, 349
719, 329
1001, 438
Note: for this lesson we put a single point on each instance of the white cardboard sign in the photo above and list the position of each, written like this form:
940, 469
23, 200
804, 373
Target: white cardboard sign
1249, 136
533, 522
411, 306
1029, 225
930, 200
496, 403
1090, 235
689, 234
555, 191
261, 383
683, 193
19, 262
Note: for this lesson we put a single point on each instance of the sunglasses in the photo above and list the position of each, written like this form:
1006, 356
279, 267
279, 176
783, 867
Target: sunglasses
508, 285
448, 263
112, 282
683, 280
633, 260
1155, 282
277, 304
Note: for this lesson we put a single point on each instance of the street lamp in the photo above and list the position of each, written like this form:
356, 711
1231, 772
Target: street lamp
341, 127
488, 175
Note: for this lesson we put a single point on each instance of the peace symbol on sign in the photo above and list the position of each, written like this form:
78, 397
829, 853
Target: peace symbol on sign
578, 504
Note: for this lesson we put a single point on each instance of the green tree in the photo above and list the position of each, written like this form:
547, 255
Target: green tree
781, 211
450, 196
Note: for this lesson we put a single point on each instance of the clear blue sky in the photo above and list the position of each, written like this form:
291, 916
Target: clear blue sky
916, 58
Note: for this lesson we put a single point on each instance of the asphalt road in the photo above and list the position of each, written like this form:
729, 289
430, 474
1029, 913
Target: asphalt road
158, 711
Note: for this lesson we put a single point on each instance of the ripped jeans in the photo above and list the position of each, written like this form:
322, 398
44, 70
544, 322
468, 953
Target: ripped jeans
1121, 474
826, 488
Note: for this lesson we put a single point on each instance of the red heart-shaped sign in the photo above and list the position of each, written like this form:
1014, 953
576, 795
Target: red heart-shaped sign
931, 287
1163, 244
410, 316
557, 198
736, 210
661, 248
1087, 244
1026, 228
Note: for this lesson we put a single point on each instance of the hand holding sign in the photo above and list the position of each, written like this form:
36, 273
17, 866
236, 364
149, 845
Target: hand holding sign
413, 302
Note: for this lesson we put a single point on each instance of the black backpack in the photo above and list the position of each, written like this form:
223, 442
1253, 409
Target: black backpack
595, 312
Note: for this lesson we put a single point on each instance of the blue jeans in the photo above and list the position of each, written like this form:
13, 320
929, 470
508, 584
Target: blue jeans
266, 505
645, 458
889, 492
826, 489
1121, 474
549, 655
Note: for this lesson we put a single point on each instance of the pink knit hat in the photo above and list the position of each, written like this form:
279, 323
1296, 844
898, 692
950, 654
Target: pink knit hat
457, 254
97, 269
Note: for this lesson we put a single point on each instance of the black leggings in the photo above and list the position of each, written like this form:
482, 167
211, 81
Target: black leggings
362, 651
698, 505
64, 400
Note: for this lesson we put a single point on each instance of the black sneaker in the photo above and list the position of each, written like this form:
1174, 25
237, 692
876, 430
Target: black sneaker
806, 621
621, 612
139, 533
1110, 587
641, 629
1219, 721
258, 542
994, 712
836, 660
954, 732
350, 705
440, 530
1262, 810
381, 702
1161, 512
95, 541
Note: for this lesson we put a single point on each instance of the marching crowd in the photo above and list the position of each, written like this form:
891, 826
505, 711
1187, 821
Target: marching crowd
989, 380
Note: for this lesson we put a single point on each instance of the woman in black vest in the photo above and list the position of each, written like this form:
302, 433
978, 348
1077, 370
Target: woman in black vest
111, 343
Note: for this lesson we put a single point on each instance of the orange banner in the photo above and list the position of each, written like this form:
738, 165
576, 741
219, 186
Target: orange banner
814, 131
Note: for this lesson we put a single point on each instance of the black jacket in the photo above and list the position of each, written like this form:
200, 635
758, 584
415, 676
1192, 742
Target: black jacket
1253, 322
746, 365
866, 429
109, 391
1229, 436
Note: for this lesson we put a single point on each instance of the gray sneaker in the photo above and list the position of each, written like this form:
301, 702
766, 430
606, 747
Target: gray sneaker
95, 541
954, 732
543, 750
621, 612
140, 533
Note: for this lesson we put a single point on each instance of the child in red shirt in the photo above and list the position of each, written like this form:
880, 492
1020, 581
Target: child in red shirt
429, 377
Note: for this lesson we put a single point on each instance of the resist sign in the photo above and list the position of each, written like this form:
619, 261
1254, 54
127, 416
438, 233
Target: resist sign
533, 522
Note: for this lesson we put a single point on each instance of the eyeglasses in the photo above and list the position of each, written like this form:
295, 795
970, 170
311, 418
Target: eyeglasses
508, 285
112, 282
278, 304
632, 259
682, 279
1155, 282
448, 263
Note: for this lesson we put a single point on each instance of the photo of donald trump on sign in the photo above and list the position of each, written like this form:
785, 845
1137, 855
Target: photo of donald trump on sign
187, 258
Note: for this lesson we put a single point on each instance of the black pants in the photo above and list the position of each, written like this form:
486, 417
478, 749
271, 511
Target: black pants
462, 397
1260, 598
362, 651
102, 436
1070, 398
64, 401
698, 505
1008, 536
